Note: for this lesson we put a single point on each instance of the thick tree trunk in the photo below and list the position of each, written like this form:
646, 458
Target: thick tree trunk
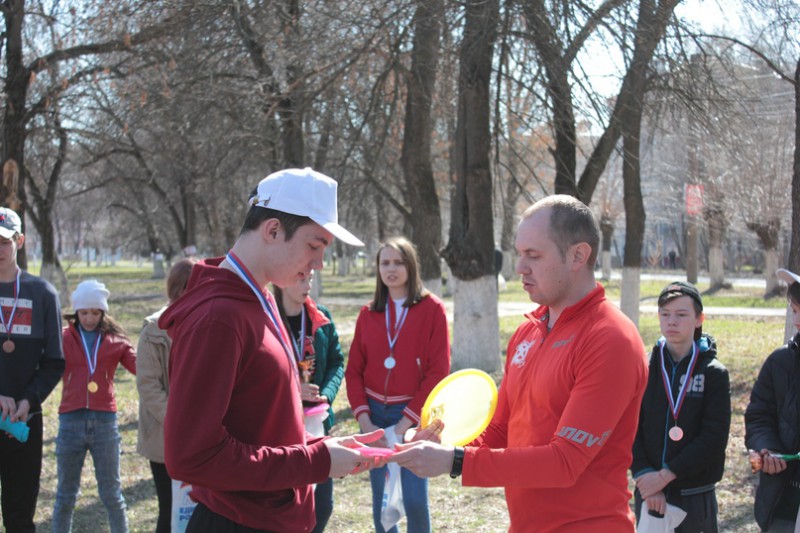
16, 93
425, 215
794, 249
476, 343
290, 108
470, 250
768, 232
772, 262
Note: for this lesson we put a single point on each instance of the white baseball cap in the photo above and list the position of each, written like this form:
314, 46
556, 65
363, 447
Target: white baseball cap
307, 193
787, 276
10, 223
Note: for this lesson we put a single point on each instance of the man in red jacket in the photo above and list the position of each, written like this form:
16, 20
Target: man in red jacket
234, 424
560, 440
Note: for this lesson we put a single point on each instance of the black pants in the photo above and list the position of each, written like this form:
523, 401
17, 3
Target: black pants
204, 520
20, 469
164, 493
701, 510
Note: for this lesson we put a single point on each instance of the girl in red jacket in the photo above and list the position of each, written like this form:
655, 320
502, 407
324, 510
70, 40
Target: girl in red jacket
94, 344
400, 351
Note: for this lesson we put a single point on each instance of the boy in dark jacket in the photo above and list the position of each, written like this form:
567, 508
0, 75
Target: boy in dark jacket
772, 425
679, 450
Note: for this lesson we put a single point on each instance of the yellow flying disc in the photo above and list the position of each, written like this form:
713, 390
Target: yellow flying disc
465, 401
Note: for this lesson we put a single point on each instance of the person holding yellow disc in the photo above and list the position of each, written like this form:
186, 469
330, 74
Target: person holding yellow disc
400, 351
561, 437
94, 344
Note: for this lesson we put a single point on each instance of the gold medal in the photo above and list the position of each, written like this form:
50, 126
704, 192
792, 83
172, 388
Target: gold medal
92, 386
8, 346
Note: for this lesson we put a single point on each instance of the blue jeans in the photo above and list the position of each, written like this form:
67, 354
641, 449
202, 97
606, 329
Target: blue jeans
97, 432
415, 489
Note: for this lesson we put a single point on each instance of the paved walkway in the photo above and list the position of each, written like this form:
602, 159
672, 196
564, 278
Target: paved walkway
505, 309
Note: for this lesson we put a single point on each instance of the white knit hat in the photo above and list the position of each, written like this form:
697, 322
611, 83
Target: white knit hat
90, 294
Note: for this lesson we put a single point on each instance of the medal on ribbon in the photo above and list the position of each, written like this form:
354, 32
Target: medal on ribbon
91, 359
8, 344
675, 432
390, 362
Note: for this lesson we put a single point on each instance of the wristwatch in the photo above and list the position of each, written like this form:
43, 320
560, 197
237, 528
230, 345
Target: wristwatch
458, 462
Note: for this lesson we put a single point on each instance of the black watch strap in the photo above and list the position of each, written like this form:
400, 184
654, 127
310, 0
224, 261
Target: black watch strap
458, 462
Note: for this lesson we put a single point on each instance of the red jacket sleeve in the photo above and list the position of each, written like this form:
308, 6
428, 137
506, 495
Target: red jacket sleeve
356, 366
128, 358
437, 351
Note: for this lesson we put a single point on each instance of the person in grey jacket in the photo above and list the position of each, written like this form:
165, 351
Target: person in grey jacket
152, 381
772, 426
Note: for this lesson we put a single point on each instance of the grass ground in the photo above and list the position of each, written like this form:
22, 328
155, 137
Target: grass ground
743, 344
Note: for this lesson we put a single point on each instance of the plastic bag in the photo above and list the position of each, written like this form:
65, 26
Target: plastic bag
392, 509
666, 524
314, 417
182, 506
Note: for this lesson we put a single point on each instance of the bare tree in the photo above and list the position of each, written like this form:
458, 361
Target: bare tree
470, 249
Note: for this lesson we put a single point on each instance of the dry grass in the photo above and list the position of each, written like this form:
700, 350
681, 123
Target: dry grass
743, 345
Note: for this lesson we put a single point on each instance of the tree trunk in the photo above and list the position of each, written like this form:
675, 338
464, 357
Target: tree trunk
425, 215
715, 219
649, 29
290, 108
470, 250
794, 249
607, 230
16, 93
772, 262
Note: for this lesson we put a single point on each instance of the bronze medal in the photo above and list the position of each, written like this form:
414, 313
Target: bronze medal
675, 433
92, 386
8, 346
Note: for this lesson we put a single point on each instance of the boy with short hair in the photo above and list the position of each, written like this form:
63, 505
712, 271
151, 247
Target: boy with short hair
679, 450
31, 365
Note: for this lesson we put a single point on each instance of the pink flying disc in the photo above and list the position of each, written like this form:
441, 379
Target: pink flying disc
319, 408
367, 451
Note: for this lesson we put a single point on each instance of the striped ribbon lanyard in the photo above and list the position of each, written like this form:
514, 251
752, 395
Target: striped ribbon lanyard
269, 309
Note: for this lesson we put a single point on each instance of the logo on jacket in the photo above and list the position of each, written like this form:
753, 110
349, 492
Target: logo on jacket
581, 437
698, 383
521, 353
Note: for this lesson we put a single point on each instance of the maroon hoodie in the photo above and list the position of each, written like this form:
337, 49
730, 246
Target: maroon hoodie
234, 425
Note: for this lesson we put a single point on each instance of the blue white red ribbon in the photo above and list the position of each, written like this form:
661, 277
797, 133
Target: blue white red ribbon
267, 304
675, 405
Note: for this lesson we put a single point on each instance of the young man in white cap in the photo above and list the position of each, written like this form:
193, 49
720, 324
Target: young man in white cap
31, 364
560, 439
234, 426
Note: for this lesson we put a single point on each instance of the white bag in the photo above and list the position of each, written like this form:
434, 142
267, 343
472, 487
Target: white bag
182, 506
314, 417
392, 509
652, 524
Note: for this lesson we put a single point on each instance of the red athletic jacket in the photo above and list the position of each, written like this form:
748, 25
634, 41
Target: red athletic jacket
234, 426
422, 353
75, 393
560, 441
